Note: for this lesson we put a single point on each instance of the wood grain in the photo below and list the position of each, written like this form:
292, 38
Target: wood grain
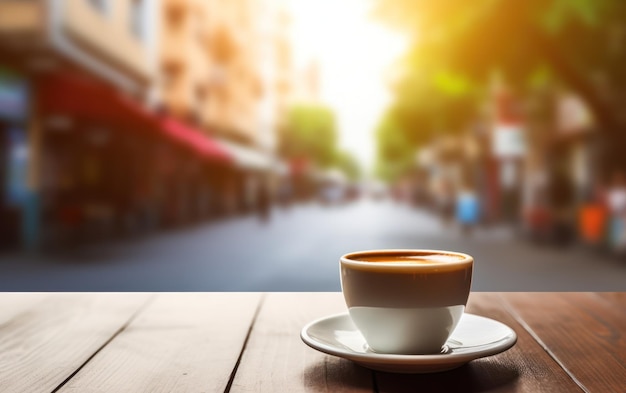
276, 359
584, 332
192, 342
13, 305
524, 368
617, 299
182, 342
45, 338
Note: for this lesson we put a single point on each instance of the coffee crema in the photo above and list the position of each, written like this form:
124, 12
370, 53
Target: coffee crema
410, 259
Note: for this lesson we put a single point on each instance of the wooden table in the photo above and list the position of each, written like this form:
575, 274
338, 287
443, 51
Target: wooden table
249, 342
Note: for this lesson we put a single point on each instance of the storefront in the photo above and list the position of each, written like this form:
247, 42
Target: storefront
251, 177
16, 199
118, 169
81, 162
75, 147
198, 170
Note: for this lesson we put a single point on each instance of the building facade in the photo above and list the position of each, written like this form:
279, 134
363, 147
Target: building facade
117, 116
219, 68
59, 58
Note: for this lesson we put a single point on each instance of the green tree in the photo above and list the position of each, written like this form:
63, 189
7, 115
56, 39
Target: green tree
427, 104
311, 133
459, 45
394, 150
346, 162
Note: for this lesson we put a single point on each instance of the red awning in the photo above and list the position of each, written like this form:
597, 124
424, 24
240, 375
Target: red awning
87, 99
194, 139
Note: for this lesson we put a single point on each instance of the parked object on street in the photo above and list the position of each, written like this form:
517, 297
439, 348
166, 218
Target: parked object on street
377, 190
333, 187
593, 218
616, 200
593, 224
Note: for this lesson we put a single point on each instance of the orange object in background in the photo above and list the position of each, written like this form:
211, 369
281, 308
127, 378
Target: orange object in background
592, 223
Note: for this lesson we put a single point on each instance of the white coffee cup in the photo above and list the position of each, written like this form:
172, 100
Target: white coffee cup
406, 301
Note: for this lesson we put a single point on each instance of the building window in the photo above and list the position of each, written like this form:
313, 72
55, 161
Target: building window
137, 18
200, 96
170, 78
101, 5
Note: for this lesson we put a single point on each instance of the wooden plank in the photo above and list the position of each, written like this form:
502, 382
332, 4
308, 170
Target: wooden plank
14, 304
44, 343
618, 299
182, 342
276, 359
586, 333
524, 368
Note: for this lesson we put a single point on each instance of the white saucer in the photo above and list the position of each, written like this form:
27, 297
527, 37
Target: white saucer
475, 337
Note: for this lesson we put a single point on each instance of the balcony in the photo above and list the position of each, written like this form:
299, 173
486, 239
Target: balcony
104, 39
176, 9
21, 17
223, 44
175, 50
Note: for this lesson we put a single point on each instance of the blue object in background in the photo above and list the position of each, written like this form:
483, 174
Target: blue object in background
467, 208
17, 166
14, 97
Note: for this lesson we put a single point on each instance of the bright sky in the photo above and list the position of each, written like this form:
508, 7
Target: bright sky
353, 52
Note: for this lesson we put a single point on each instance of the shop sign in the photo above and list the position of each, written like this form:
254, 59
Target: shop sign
508, 141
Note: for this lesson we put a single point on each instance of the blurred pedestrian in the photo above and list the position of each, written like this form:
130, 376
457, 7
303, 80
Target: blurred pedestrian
285, 193
264, 202
446, 201
467, 209
537, 219
561, 196
616, 199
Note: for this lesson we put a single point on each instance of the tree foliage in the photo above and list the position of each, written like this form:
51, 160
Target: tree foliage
458, 46
347, 164
310, 133
428, 103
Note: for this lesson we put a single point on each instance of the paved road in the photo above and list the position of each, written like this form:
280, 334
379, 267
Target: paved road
299, 250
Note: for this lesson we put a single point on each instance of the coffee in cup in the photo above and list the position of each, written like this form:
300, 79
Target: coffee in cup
406, 301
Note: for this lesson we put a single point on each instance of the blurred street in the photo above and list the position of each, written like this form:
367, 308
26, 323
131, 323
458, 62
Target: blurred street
153, 163
298, 250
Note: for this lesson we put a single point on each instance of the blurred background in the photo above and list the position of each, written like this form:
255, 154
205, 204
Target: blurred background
247, 144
